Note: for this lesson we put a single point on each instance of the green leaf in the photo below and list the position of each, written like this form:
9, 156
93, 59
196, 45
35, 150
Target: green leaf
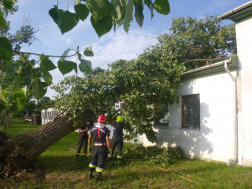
6, 11
47, 77
150, 5
18, 68
46, 64
3, 23
5, 49
128, 15
65, 54
66, 66
54, 13
68, 21
24, 89
18, 80
82, 11
102, 26
8, 3
75, 69
100, 8
20, 99
88, 51
139, 12
10, 97
162, 6
2, 98
38, 89
85, 66
120, 6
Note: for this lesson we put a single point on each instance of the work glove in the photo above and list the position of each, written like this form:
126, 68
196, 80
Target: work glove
89, 149
109, 152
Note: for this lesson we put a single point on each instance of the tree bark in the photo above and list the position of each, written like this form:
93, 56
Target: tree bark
35, 142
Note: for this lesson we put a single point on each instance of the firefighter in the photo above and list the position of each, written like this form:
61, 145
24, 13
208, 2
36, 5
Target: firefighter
117, 139
83, 139
102, 145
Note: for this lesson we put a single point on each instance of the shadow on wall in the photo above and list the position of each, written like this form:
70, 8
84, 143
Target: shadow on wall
194, 142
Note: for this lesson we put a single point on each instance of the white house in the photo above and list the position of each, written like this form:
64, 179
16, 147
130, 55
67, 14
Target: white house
213, 119
47, 115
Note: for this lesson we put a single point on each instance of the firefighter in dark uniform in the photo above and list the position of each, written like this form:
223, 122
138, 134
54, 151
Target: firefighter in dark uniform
117, 139
83, 139
102, 145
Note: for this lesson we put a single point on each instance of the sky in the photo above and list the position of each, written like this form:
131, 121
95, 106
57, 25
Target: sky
111, 46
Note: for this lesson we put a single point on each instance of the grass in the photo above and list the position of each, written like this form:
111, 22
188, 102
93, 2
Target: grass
64, 171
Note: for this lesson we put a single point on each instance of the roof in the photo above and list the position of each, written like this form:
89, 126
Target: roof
27, 117
212, 68
238, 13
35, 115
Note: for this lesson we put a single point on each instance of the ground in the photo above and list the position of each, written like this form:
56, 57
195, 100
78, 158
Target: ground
63, 170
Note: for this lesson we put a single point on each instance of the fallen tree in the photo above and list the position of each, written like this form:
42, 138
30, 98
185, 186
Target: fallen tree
142, 84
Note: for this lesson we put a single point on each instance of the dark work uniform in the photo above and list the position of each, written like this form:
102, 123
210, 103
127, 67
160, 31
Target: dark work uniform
100, 149
117, 139
82, 141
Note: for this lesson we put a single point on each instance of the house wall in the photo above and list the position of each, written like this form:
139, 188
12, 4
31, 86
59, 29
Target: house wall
215, 138
244, 46
47, 115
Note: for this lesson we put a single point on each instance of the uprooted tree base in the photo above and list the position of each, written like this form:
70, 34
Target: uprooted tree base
18, 154
13, 164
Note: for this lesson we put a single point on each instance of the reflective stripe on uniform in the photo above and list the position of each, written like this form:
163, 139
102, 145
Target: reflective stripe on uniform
83, 154
92, 166
119, 157
98, 169
77, 153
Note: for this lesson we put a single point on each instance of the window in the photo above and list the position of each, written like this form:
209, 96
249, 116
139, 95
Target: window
191, 111
161, 114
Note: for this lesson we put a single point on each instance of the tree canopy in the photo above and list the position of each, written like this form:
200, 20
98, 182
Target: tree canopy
153, 78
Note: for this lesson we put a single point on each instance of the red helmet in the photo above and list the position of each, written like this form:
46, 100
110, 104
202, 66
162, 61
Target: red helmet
102, 119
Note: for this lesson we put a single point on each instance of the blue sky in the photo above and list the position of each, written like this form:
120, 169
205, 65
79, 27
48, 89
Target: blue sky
109, 47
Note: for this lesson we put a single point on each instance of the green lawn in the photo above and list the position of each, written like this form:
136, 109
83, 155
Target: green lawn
64, 171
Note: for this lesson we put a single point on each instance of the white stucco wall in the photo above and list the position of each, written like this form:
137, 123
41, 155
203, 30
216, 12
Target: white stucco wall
47, 115
244, 46
215, 139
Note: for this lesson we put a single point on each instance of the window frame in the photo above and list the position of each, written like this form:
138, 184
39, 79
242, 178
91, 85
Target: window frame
182, 111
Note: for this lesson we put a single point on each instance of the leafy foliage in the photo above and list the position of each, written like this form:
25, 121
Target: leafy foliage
152, 155
107, 13
153, 78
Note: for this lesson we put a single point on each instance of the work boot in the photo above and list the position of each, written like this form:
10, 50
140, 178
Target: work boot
98, 176
90, 174
76, 156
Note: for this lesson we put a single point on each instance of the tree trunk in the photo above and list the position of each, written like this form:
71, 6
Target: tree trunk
5, 119
35, 142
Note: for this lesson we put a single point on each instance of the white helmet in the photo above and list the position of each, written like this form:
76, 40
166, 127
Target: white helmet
88, 123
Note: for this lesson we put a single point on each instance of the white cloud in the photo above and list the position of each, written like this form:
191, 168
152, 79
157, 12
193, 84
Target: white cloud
123, 46
109, 48
68, 42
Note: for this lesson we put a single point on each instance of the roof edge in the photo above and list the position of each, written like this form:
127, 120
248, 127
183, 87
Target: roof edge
229, 13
